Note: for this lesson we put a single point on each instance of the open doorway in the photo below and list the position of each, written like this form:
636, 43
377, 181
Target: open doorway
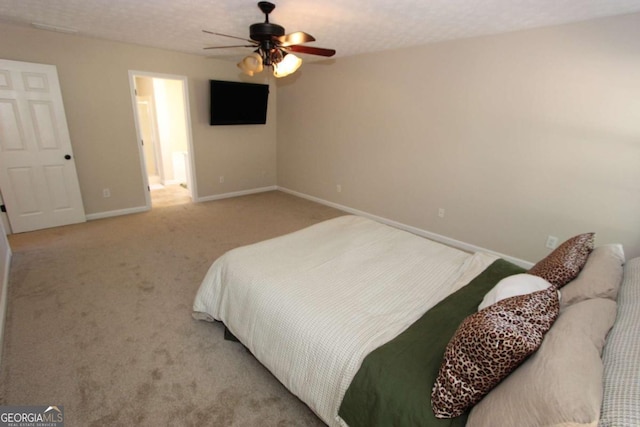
162, 120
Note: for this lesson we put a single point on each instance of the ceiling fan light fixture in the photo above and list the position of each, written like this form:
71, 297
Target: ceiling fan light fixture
273, 46
251, 64
289, 65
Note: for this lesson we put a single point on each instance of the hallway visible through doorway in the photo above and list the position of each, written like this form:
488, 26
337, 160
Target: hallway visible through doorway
162, 121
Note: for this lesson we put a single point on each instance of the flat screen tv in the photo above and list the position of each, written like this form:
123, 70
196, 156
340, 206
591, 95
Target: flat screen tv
236, 103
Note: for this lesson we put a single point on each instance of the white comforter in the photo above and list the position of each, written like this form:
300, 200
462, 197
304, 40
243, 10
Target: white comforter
312, 304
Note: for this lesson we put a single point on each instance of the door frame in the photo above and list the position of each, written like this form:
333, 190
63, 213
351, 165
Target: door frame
191, 182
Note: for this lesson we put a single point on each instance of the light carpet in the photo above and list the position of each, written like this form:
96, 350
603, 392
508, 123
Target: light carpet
99, 319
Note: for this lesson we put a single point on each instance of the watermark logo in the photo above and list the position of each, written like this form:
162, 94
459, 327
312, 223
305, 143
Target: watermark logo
31, 416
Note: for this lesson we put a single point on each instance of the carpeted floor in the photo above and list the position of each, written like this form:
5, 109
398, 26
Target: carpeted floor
99, 319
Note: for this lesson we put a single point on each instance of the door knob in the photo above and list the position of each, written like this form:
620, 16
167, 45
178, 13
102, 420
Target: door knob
67, 156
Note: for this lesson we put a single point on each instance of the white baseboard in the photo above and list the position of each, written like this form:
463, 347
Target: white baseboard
140, 209
418, 231
237, 194
108, 214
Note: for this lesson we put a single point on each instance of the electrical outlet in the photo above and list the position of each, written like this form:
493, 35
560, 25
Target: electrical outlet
441, 212
106, 193
552, 242
339, 188
221, 179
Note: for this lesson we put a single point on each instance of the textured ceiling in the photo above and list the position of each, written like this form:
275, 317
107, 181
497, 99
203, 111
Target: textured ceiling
349, 26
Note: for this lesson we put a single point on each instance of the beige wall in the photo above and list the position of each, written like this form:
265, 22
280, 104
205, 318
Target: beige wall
516, 136
96, 92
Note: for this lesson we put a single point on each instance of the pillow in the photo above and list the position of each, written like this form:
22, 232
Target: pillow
511, 286
562, 383
487, 346
600, 277
621, 356
565, 262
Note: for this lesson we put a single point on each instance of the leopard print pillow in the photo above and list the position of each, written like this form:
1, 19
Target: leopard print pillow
563, 264
488, 345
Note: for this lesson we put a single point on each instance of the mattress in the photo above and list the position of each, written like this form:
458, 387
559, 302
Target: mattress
312, 304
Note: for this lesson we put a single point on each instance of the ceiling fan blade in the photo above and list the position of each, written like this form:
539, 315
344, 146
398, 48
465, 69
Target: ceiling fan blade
224, 47
312, 50
299, 37
227, 35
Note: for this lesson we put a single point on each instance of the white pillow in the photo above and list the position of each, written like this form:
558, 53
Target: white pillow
511, 286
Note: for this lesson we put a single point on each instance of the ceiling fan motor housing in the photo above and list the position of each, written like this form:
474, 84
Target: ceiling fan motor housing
265, 31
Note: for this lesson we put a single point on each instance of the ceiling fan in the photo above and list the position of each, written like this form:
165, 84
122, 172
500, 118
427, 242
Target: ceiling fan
272, 46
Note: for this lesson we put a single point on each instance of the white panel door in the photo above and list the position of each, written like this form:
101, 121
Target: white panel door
38, 175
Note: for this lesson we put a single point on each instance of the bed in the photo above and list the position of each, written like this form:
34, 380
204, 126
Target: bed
354, 317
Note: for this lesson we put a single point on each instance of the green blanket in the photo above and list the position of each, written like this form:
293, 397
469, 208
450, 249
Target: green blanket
393, 385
